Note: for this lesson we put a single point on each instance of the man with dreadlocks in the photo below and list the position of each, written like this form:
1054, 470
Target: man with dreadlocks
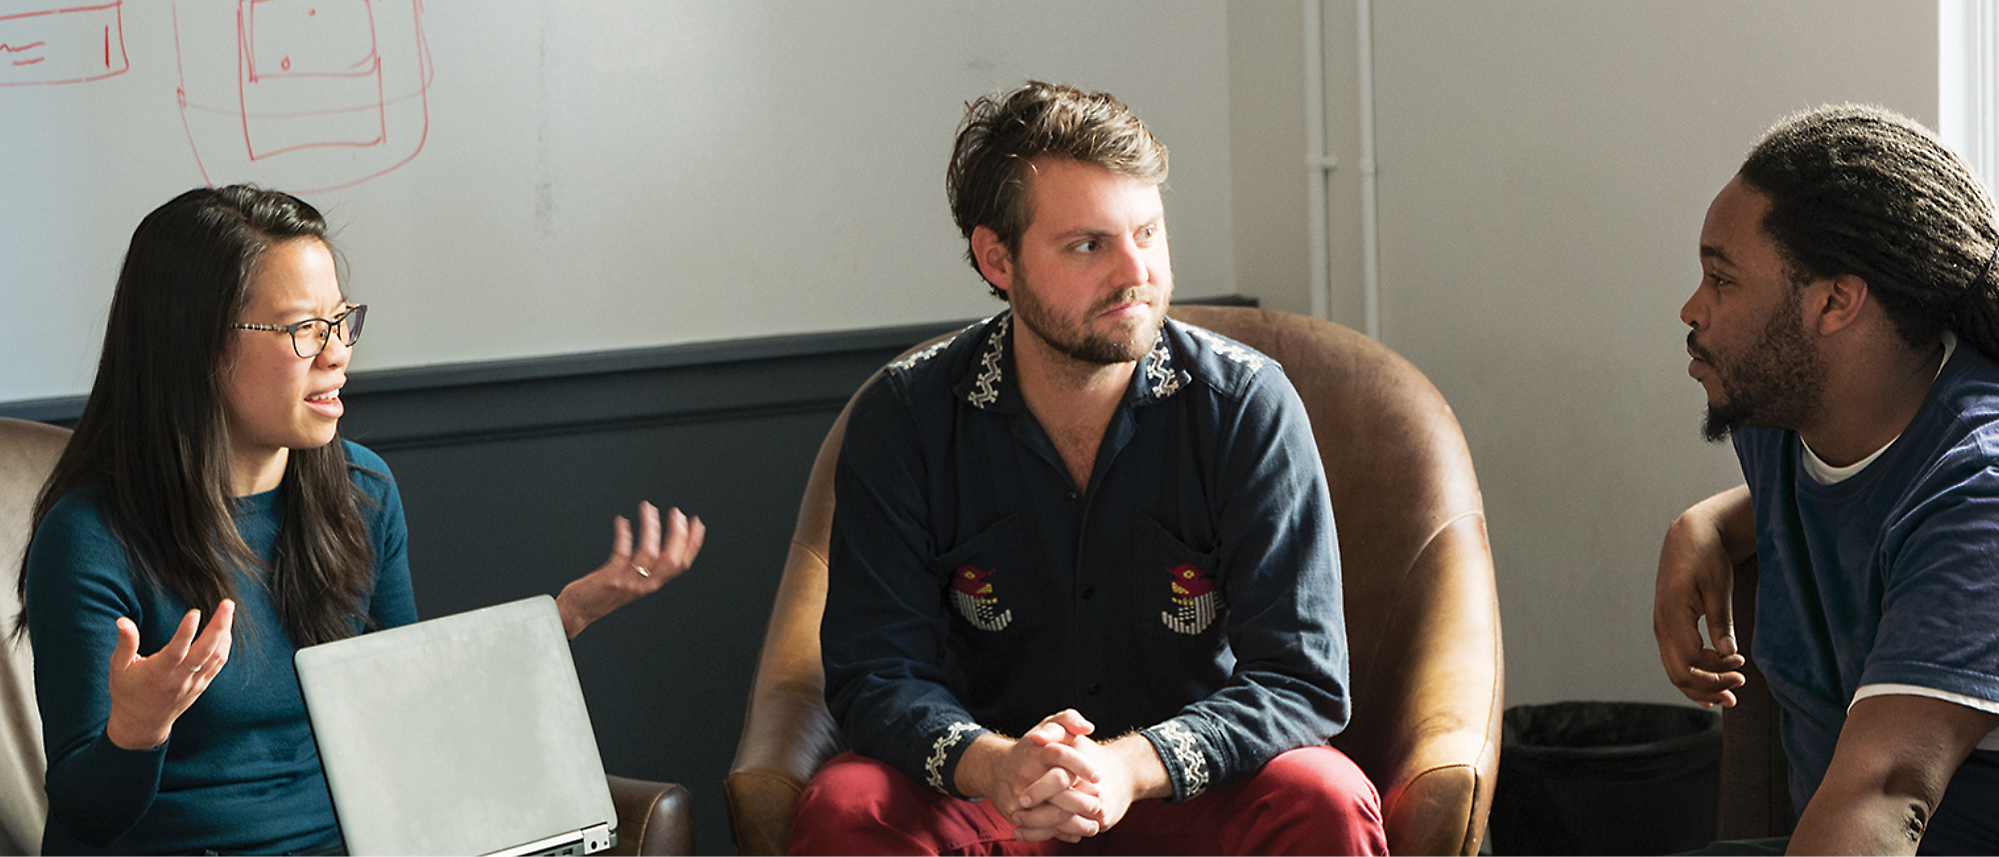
1844, 329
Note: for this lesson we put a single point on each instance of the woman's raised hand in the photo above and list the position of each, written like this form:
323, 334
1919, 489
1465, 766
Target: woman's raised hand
149, 693
636, 568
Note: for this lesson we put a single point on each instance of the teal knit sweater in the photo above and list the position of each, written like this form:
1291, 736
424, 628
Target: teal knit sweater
240, 773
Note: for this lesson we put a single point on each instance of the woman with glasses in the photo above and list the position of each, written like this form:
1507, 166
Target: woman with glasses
207, 480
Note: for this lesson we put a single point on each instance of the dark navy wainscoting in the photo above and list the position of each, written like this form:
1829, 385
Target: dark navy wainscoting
511, 472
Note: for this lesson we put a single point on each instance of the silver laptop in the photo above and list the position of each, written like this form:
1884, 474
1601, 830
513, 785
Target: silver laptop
465, 734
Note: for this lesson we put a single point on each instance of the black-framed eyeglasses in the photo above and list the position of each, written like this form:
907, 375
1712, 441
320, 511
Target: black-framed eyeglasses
309, 337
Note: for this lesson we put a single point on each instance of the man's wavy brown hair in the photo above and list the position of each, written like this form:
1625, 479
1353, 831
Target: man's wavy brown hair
1004, 133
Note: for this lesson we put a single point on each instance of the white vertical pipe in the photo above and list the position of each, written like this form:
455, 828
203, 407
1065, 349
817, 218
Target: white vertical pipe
1316, 164
1370, 254
1953, 77
1986, 151
1977, 71
1968, 83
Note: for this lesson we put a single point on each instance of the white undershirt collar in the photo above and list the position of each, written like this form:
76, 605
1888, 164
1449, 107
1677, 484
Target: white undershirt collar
1826, 474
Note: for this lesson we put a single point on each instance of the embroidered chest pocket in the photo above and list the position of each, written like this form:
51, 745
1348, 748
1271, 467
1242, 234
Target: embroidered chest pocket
980, 586
1181, 581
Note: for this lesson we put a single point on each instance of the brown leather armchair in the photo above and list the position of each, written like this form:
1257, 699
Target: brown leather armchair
653, 818
28, 452
1422, 611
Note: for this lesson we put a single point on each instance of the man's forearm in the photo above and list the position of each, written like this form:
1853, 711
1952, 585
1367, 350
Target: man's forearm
1732, 519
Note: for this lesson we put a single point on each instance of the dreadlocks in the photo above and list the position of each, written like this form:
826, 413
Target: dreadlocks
1865, 191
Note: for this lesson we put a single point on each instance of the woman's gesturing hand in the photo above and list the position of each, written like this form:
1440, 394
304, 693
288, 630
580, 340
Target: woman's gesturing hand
635, 569
149, 693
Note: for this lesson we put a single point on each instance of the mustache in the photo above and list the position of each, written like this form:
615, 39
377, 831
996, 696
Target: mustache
1696, 350
1125, 296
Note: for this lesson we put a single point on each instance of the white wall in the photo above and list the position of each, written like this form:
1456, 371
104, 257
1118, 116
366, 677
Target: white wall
735, 168
1544, 168
590, 176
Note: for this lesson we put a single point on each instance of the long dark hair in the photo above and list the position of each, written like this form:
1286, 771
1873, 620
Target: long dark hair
153, 442
1861, 190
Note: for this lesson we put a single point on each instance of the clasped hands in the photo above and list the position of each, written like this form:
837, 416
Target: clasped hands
1055, 782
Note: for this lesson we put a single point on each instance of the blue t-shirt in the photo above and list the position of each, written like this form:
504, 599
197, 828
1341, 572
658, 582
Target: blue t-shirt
1888, 577
240, 773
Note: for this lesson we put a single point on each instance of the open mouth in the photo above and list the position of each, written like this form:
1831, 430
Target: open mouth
327, 397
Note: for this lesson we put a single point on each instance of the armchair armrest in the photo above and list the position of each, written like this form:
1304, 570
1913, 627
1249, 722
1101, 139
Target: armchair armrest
653, 818
787, 731
1433, 741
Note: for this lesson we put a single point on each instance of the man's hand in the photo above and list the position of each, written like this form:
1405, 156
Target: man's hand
1057, 783
633, 571
1130, 770
149, 693
1696, 580
1032, 781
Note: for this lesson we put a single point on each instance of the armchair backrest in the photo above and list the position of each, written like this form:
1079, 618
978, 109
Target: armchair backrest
28, 453
1422, 611
1421, 605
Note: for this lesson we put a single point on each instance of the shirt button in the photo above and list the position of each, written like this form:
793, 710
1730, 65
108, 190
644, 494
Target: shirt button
1072, 495
1096, 689
1089, 592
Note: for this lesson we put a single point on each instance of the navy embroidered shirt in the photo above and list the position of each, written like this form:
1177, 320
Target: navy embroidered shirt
1192, 591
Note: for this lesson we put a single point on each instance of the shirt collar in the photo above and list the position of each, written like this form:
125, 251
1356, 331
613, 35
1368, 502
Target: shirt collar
1826, 474
989, 383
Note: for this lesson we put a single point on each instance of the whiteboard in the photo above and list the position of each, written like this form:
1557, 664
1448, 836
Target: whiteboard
518, 178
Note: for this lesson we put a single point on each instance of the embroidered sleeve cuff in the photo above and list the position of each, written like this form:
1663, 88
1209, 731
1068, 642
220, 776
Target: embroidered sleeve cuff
1185, 758
940, 767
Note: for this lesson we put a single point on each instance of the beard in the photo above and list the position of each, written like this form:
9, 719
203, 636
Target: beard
1074, 338
1778, 383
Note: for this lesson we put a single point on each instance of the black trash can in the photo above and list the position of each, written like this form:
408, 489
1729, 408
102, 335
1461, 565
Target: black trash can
1606, 778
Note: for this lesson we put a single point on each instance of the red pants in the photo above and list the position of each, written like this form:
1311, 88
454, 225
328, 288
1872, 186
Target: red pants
1312, 800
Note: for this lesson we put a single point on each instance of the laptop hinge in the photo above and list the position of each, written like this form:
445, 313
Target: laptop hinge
589, 840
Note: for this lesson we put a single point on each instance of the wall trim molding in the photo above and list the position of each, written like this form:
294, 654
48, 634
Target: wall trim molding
482, 398
618, 390
455, 403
